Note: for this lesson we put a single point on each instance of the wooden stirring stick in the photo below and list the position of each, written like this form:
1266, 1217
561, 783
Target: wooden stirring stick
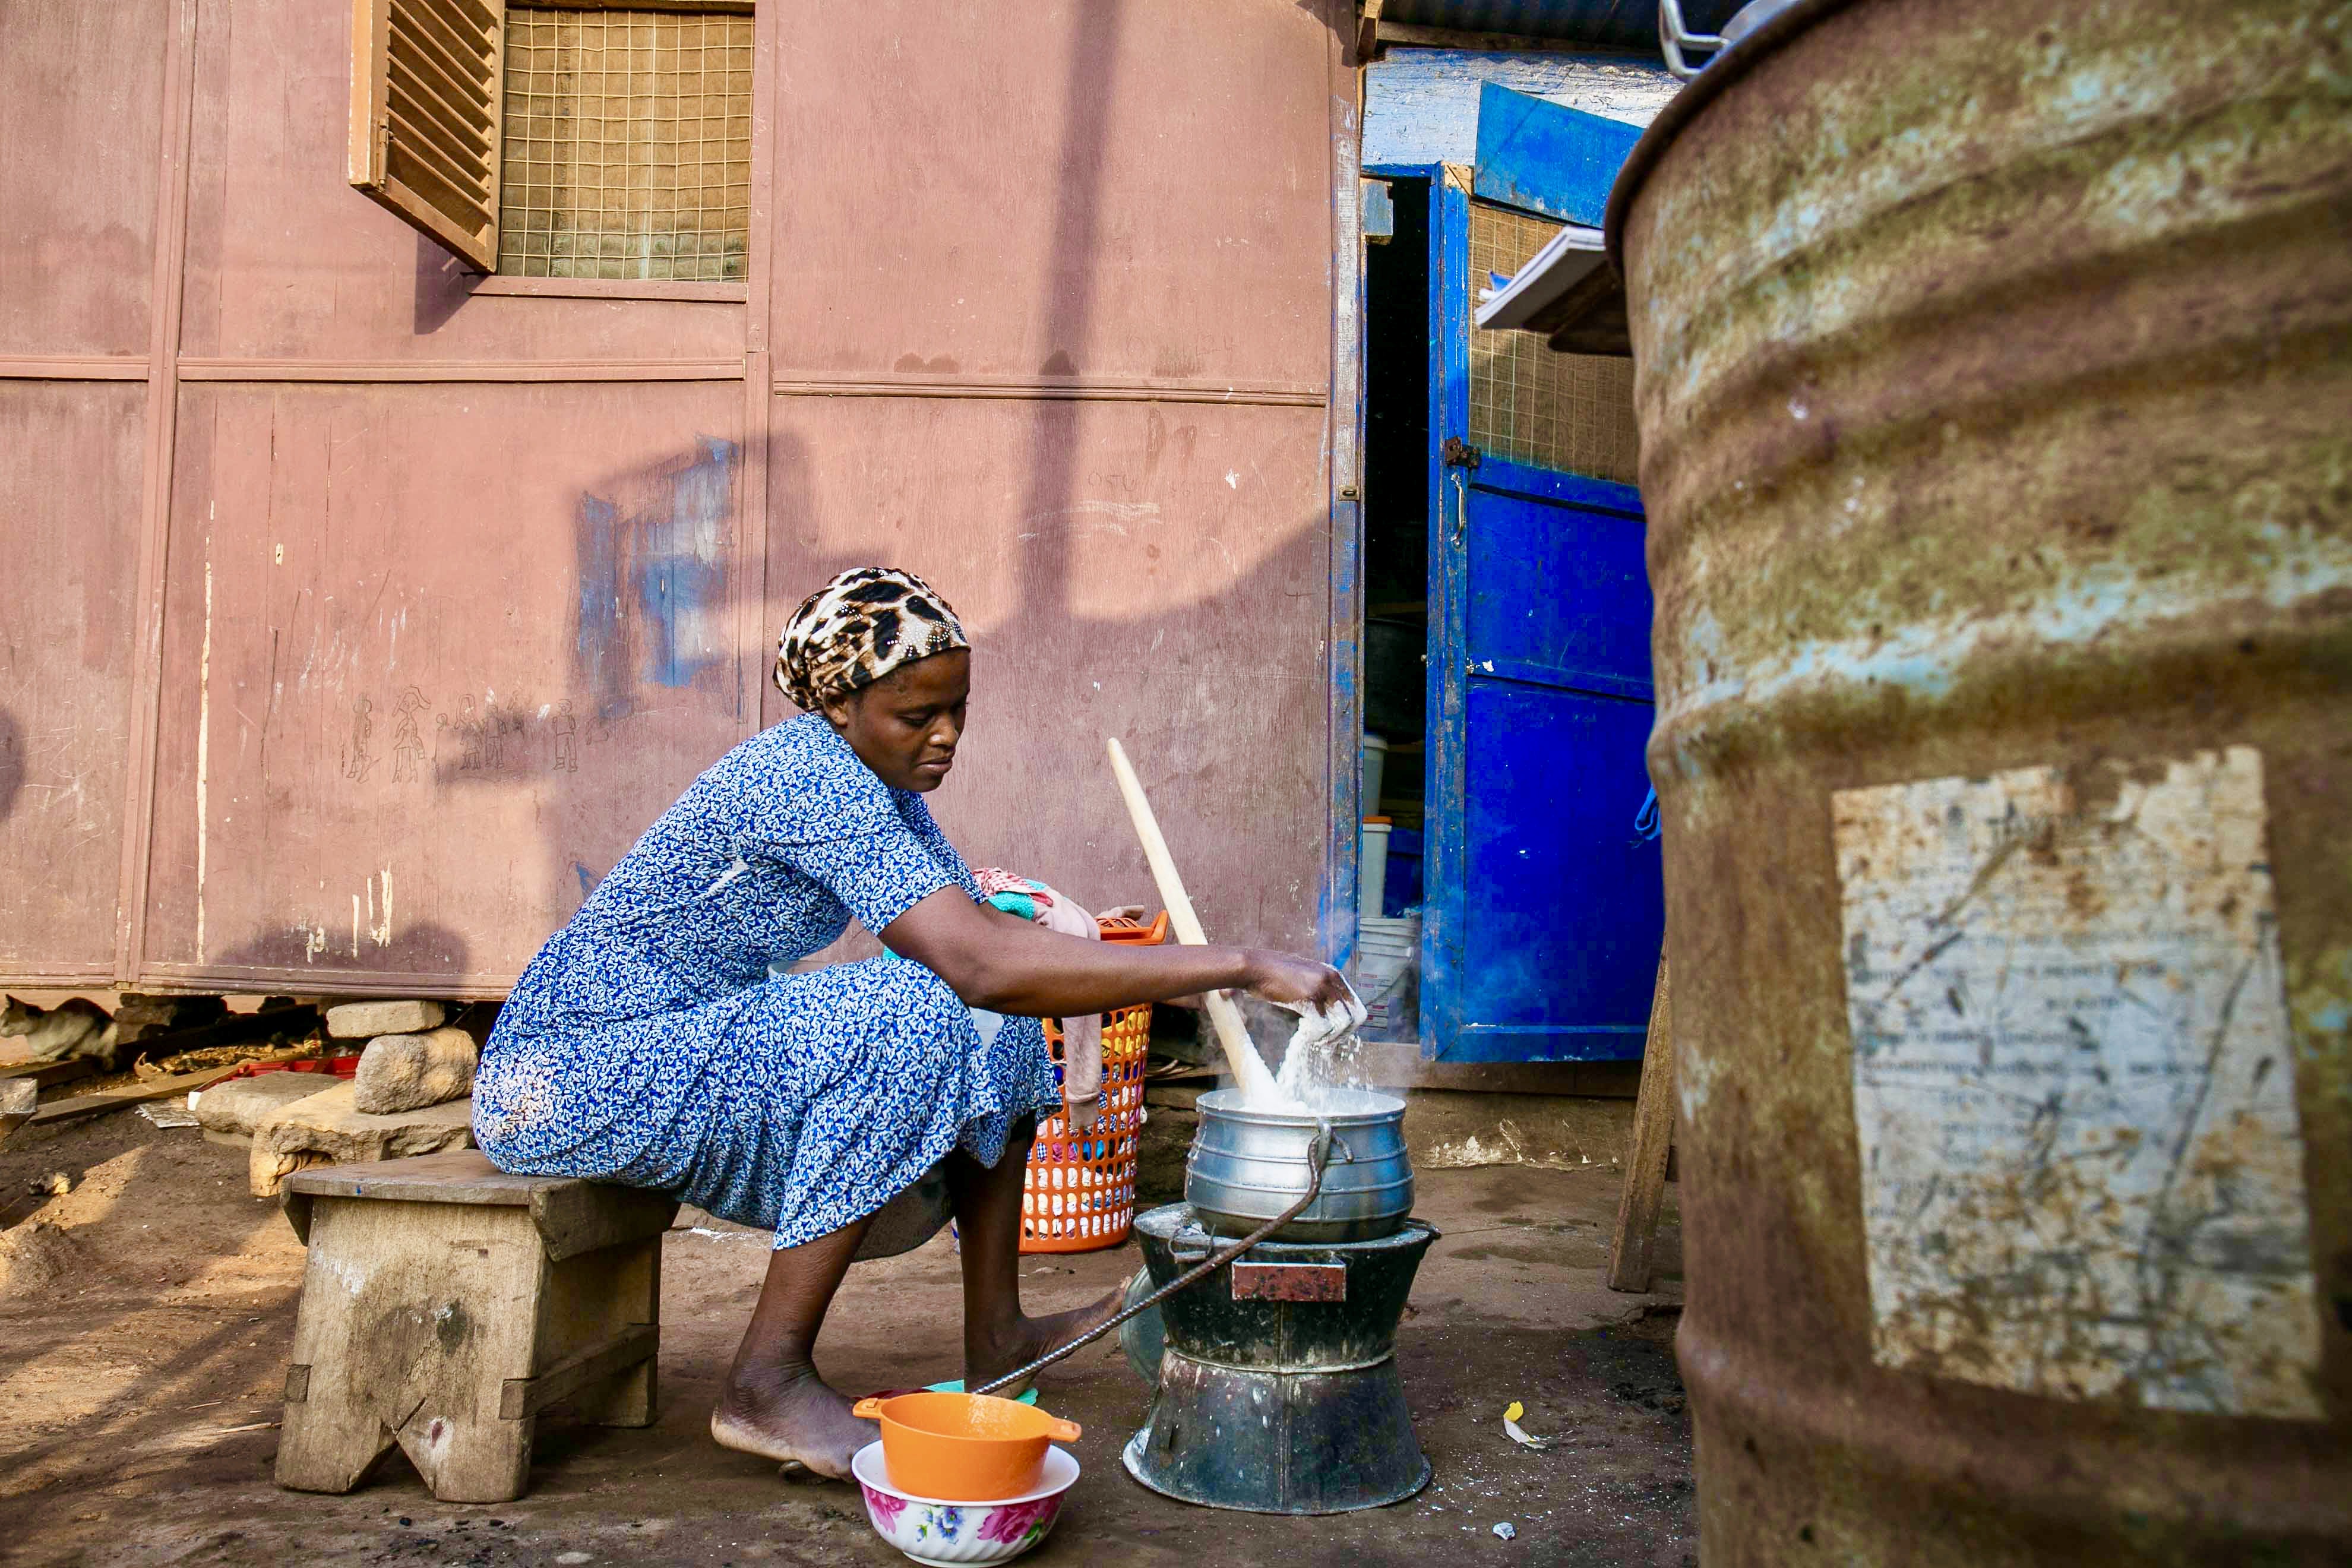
1249, 1069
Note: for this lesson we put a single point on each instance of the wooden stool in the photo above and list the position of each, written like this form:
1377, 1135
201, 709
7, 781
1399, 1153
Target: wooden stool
445, 1304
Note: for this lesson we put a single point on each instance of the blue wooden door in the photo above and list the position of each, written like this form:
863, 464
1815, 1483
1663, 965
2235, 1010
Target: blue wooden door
1544, 907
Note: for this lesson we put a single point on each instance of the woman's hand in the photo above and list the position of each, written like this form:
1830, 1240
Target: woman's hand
1295, 981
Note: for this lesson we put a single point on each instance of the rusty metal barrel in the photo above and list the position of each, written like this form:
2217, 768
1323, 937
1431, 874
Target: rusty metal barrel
1994, 373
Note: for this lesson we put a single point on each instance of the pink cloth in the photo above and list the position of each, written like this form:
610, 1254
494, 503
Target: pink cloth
1082, 1069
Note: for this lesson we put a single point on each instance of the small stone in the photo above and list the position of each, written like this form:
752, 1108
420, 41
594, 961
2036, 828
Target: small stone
409, 1072
328, 1129
1507, 1531
235, 1108
56, 1184
365, 1020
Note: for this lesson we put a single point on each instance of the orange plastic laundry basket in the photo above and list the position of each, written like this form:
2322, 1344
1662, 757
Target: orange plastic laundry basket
1080, 1192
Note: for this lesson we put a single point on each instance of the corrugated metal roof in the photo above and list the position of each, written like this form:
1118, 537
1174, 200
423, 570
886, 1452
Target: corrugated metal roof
1613, 24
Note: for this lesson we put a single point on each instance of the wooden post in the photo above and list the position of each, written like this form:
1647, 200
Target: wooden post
1653, 1137
1249, 1069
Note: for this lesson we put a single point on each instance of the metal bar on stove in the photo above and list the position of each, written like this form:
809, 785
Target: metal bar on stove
1195, 1275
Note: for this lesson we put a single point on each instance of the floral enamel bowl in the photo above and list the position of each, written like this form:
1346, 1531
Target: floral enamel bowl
929, 1531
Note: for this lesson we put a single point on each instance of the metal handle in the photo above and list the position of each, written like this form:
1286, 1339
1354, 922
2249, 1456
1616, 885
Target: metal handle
1457, 455
1674, 37
1319, 1153
1336, 1151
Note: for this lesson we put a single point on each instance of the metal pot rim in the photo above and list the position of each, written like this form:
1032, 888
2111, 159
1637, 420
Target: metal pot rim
1226, 1103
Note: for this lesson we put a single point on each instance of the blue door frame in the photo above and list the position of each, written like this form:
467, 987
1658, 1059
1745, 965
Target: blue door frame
1543, 911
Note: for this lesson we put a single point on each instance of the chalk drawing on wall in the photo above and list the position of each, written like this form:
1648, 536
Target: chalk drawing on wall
469, 736
357, 758
565, 731
496, 727
408, 737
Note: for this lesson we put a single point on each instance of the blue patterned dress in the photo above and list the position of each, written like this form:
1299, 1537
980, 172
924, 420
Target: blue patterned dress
647, 1045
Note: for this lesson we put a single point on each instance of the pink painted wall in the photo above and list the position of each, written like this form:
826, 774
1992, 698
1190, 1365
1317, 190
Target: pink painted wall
81, 119
1042, 310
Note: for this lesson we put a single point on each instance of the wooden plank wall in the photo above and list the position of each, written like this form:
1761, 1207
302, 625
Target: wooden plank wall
374, 607
82, 89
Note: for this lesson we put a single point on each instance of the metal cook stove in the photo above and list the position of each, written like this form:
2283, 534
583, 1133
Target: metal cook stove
1278, 1385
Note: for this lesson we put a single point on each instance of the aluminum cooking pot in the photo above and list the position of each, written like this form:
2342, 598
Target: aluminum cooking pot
1246, 1166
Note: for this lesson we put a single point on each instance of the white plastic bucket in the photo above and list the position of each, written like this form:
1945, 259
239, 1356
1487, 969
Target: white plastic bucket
1372, 870
1387, 967
1375, 764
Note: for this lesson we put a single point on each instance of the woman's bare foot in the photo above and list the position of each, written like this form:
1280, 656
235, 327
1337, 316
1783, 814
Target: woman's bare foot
790, 1419
989, 1356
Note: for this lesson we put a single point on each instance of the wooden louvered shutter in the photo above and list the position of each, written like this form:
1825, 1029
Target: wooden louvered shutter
426, 88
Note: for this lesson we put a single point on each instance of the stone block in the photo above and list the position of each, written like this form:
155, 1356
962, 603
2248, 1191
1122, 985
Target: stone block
409, 1072
329, 1128
235, 1108
365, 1020
19, 1098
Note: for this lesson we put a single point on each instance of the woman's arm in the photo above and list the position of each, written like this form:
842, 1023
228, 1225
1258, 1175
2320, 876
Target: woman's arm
1009, 965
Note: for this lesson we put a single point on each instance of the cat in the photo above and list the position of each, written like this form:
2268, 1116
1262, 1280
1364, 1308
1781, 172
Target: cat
74, 1027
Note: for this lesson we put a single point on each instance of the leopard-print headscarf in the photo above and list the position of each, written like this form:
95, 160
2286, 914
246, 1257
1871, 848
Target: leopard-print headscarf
859, 627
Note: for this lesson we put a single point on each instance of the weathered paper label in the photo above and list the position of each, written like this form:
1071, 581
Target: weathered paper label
2082, 1168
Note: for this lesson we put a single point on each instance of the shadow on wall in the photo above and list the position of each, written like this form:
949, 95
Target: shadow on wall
1067, 297
11, 762
443, 283
1211, 696
409, 958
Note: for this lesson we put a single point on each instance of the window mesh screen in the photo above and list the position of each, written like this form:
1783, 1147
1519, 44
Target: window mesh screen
628, 144
1569, 412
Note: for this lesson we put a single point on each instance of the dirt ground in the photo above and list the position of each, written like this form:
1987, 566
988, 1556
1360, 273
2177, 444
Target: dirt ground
145, 1316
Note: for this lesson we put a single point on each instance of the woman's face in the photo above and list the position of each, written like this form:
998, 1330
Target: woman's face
906, 725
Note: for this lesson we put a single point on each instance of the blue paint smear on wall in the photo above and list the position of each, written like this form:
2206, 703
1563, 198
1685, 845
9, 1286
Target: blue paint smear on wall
682, 576
654, 577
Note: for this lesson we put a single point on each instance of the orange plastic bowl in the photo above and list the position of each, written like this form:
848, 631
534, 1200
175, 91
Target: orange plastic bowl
964, 1448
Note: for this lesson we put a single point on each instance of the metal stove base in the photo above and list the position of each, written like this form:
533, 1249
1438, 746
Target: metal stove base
1286, 1442
1277, 1389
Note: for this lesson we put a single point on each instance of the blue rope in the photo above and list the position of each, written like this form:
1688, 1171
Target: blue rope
1646, 821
